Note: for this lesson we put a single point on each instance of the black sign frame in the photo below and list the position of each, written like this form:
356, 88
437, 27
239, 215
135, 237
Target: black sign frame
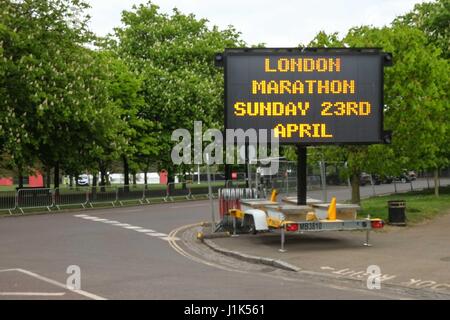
386, 60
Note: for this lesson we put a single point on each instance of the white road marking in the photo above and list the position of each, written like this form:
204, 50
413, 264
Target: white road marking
154, 234
361, 274
56, 283
170, 238
327, 268
134, 210
191, 206
44, 294
80, 215
148, 232
133, 227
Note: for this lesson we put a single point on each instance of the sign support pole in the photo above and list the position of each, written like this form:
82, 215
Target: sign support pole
210, 194
247, 167
301, 175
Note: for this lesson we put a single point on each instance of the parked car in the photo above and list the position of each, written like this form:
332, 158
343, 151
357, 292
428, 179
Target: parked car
403, 178
381, 179
364, 179
412, 175
377, 179
83, 180
387, 179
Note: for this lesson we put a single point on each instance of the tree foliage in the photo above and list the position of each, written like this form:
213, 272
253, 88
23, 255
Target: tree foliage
416, 102
75, 102
433, 18
174, 56
57, 108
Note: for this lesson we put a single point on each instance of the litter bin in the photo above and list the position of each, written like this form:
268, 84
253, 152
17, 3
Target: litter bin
396, 210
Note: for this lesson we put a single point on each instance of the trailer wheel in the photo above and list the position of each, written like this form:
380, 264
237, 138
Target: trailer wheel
249, 225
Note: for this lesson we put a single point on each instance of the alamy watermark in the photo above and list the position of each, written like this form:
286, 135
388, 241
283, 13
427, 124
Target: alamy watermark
73, 281
373, 280
262, 146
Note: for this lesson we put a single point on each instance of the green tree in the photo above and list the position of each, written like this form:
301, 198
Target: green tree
433, 18
124, 89
56, 103
174, 56
416, 103
416, 95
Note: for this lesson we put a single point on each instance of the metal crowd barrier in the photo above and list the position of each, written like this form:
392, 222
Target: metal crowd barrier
34, 198
177, 190
131, 192
234, 183
154, 194
71, 196
103, 194
229, 198
30, 198
8, 200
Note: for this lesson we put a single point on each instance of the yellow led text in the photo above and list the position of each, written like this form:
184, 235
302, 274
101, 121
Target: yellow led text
303, 130
347, 108
254, 109
301, 87
302, 65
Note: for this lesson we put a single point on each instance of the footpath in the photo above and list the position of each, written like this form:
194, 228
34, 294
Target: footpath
415, 257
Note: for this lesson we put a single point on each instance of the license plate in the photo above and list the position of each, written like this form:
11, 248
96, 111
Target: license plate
307, 226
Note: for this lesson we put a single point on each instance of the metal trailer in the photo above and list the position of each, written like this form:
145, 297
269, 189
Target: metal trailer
266, 215
367, 225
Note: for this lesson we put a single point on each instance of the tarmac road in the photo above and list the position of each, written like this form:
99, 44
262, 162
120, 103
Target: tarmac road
125, 253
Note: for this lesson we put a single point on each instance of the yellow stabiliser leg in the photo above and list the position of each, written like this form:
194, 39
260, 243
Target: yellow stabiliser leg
273, 196
236, 213
332, 209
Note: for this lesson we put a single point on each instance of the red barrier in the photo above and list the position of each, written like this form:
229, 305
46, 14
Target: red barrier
226, 204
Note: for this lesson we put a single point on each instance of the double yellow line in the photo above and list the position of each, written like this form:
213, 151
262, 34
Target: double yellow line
173, 243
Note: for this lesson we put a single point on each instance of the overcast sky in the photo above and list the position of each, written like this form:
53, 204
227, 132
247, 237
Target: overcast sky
277, 23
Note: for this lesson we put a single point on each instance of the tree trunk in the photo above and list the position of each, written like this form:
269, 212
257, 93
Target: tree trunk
93, 193
20, 178
436, 182
147, 166
102, 177
134, 179
356, 197
70, 181
228, 170
184, 184
126, 171
77, 176
145, 179
126, 174
56, 175
48, 176
170, 180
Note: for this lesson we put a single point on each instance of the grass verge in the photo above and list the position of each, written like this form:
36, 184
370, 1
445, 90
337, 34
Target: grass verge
420, 205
